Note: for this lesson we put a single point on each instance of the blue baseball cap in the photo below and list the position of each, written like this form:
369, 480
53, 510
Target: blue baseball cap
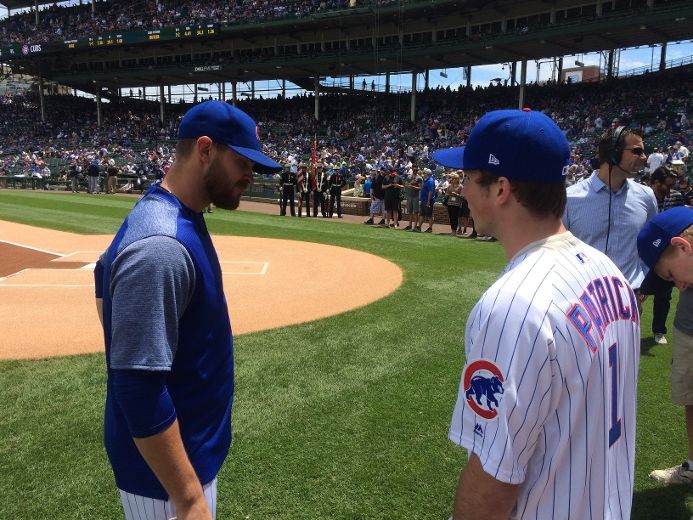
226, 124
655, 236
521, 145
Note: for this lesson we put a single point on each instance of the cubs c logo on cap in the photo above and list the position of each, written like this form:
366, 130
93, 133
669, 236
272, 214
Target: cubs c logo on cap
483, 380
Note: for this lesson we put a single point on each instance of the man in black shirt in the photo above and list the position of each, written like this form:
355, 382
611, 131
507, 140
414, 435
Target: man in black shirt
111, 177
392, 185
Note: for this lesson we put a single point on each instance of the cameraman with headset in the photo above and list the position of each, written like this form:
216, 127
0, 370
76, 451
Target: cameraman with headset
608, 209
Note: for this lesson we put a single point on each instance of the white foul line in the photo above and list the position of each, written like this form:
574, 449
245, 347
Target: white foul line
32, 248
68, 255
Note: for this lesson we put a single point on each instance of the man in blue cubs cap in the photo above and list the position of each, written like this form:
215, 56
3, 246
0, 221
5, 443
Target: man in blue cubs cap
169, 347
665, 244
542, 346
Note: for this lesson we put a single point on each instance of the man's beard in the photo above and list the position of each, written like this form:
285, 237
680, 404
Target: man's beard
220, 189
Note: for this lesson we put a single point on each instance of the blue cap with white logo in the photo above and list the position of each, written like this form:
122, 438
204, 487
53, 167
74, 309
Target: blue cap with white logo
521, 145
226, 124
655, 236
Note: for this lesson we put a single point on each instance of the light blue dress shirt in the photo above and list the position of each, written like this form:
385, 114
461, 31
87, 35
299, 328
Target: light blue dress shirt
587, 217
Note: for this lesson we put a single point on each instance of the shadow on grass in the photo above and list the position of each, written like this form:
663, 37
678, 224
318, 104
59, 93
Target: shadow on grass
661, 503
646, 344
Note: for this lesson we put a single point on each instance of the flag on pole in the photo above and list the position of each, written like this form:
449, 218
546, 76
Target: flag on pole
314, 154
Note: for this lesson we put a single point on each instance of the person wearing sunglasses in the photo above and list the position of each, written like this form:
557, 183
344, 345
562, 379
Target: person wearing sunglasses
608, 209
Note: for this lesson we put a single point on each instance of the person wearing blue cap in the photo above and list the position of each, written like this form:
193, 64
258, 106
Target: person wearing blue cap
546, 401
168, 340
665, 244
427, 199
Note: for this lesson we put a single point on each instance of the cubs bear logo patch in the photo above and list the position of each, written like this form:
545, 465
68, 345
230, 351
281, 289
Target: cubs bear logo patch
483, 380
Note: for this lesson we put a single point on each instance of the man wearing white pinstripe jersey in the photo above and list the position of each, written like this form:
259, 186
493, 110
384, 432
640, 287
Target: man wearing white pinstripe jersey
546, 401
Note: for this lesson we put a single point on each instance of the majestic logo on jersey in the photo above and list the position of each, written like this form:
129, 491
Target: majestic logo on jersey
493, 160
478, 430
582, 257
483, 380
657, 242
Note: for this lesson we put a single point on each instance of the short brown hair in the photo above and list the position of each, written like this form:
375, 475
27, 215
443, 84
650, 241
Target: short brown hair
542, 199
185, 147
607, 146
662, 173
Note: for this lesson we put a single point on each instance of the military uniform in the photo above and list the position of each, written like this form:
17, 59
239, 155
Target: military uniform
287, 184
303, 191
324, 186
336, 183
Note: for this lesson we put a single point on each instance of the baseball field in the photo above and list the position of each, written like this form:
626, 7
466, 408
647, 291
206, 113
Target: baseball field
343, 416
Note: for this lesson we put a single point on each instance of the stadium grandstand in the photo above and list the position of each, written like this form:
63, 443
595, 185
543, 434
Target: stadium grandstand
75, 77
350, 332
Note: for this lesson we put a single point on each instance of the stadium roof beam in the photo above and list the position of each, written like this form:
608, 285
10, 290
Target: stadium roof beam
518, 55
613, 44
561, 45
662, 35
415, 20
436, 62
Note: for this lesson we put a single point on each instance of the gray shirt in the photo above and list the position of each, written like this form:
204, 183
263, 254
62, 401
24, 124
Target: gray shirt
684, 312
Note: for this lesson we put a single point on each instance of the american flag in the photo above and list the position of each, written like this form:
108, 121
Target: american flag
314, 154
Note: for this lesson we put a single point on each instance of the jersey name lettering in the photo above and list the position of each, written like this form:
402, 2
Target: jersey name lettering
604, 301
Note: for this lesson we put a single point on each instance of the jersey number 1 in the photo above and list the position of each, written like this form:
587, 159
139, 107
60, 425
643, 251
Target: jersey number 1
615, 430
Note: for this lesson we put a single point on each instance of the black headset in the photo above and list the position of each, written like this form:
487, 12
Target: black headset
613, 157
615, 152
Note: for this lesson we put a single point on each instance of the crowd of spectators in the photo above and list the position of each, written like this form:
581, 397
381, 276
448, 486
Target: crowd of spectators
355, 132
65, 22
60, 22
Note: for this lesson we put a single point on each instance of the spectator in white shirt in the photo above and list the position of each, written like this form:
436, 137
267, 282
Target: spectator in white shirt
654, 160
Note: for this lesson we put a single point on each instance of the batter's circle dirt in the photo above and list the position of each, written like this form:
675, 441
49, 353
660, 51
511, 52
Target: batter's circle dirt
47, 291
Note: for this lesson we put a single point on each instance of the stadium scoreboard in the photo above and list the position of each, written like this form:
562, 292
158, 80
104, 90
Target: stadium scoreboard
112, 40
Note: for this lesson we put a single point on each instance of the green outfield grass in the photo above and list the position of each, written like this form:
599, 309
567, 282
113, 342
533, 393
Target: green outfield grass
343, 418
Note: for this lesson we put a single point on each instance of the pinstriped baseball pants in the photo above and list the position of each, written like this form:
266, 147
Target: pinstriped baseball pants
137, 507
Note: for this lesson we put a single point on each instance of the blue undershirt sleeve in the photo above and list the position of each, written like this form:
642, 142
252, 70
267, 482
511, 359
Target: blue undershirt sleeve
144, 400
98, 279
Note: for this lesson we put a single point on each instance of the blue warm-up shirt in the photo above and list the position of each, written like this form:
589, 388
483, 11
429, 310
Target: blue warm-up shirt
164, 310
429, 186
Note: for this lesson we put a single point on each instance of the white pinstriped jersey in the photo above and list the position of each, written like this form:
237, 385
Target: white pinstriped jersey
548, 391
